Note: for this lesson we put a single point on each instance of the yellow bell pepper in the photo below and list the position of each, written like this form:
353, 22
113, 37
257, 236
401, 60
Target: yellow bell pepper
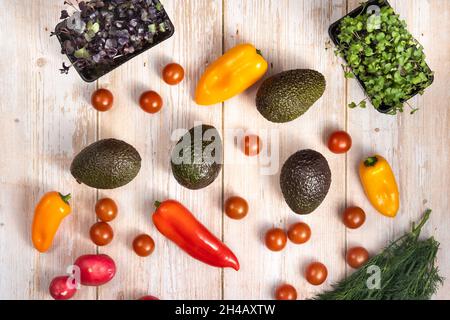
231, 74
380, 186
49, 212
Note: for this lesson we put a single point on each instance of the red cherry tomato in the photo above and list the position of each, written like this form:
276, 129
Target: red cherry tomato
252, 145
101, 233
339, 142
357, 256
276, 239
354, 217
299, 233
316, 273
173, 74
286, 292
151, 102
102, 100
236, 208
143, 245
62, 288
106, 209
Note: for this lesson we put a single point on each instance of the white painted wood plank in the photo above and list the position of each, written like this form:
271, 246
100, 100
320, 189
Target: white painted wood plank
290, 34
168, 273
415, 145
45, 120
371, 132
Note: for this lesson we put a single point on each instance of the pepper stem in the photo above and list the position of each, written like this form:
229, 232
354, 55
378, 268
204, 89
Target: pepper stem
259, 52
157, 204
371, 161
66, 197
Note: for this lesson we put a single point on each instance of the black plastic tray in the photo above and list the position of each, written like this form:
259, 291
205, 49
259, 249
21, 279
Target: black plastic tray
93, 74
333, 31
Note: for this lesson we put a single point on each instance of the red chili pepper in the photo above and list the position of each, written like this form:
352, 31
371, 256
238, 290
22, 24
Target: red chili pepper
178, 224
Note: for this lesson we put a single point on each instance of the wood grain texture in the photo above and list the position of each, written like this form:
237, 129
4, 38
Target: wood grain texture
168, 273
46, 118
274, 29
417, 146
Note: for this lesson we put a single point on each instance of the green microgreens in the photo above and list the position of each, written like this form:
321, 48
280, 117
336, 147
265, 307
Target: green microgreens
381, 52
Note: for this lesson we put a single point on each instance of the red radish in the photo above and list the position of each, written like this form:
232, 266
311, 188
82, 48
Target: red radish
148, 298
95, 269
62, 288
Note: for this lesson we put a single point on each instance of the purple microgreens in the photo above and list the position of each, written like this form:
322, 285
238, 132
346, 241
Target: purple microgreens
64, 15
98, 32
64, 69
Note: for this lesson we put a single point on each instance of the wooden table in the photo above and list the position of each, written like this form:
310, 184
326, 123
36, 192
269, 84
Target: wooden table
46, 118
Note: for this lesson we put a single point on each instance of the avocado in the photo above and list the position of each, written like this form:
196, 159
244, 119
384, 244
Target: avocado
287, 95
106, 164
305, 180
197, 158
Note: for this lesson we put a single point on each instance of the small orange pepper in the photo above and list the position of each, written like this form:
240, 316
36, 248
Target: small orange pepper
231, 74
48, 214
380, 186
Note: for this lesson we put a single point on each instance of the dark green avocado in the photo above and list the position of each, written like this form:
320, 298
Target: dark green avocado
305, 180
106, 164
197, 158
287, 95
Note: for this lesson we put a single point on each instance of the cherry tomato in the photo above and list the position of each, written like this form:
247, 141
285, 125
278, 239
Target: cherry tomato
106, 209
357, 256
286, 292
173, 74
316, 273
299, 233
62, 288
339, 142
354, 217
101, 233
102, 100
150, 102
143, 245
236, 207
252, 145
276, 239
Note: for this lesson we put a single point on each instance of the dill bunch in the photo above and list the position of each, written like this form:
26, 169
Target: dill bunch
407, 272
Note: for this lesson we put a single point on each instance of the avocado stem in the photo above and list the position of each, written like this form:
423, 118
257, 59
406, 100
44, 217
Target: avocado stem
371, 161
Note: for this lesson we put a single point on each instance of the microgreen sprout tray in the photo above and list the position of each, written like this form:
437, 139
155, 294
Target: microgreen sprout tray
335, 31
128, 34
